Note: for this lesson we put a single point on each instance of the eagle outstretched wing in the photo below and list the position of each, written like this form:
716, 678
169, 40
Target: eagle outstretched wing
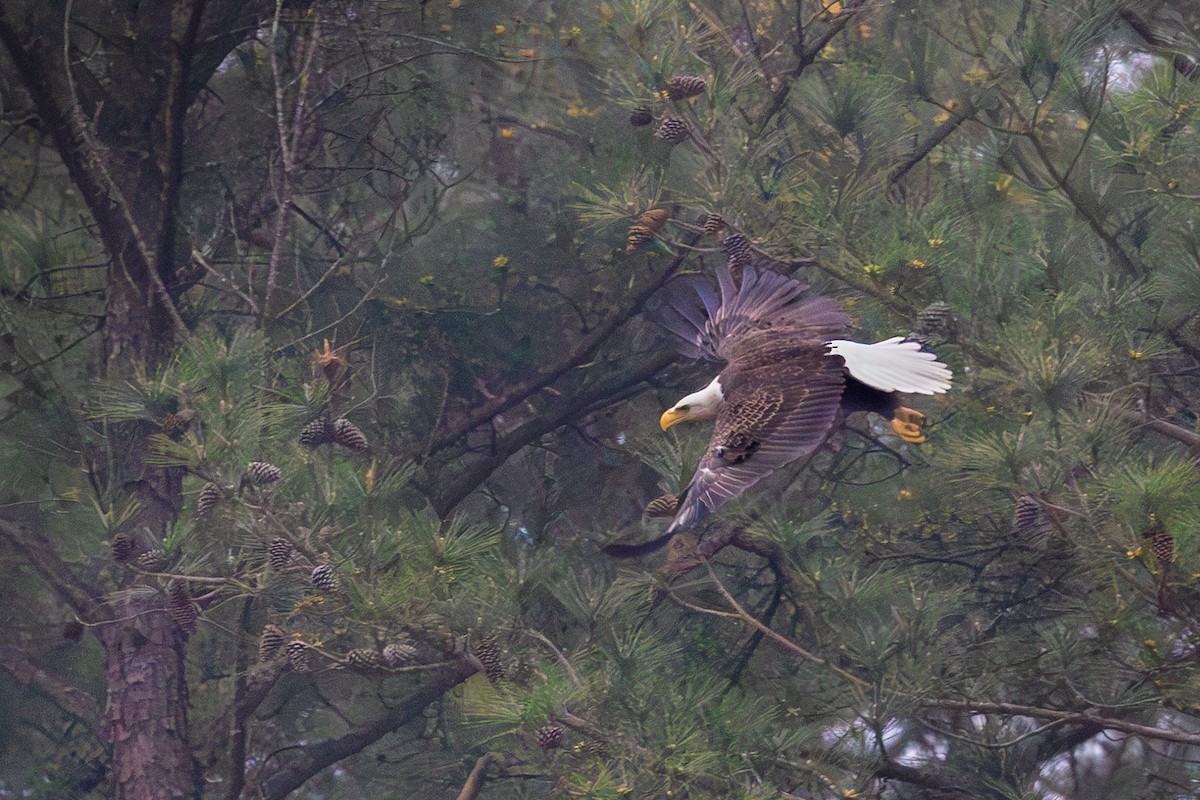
773, 414
717, 324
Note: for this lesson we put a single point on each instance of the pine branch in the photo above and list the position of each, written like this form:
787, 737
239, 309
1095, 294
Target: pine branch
806, 55
57, 574
560, 410
310, 759
26, 672
927, 778
582, 353
939, 135
474, 782
1086, 717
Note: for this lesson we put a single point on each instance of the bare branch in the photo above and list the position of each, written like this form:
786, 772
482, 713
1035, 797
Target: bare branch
57, 574
582, 353
474, 782
25, 671
939, 135
310, 759
1085, 717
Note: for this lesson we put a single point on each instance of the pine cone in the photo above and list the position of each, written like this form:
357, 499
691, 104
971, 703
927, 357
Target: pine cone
269, 642
397, 654
550, 737
121, 547
323, 578
261, 473
681, 87
713, 224
487, 650
737, 249
210, 495
279, 553
640, 117
639, 236
662, 506
923, 339
181, 608
176, 425
671, 130
347, 434
1162, 544
317, 432
654, 219
363, 659
153, 560
737, 253
1029, 520
934, 317
300, 656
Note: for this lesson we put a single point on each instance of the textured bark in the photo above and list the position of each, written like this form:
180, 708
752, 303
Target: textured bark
147, 703
112, 84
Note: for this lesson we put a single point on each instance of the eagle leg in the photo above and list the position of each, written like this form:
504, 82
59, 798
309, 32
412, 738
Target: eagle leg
907, 424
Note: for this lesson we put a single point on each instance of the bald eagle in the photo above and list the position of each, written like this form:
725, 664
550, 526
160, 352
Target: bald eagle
786, 382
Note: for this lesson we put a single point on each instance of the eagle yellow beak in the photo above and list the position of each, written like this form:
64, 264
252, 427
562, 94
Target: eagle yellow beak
671, 417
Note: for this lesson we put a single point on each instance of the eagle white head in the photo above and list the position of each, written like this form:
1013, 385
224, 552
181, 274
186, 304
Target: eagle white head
696, 406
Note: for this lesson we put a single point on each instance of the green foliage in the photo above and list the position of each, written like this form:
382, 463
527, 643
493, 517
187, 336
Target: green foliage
438, 259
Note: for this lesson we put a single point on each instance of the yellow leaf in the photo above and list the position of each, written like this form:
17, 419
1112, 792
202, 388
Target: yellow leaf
830, 11
977, 74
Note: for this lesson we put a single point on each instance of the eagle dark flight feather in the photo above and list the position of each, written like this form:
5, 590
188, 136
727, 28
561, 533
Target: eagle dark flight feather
781, 388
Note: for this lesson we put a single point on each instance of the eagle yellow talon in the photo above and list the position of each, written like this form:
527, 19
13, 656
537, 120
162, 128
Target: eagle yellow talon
909, 415
907, 424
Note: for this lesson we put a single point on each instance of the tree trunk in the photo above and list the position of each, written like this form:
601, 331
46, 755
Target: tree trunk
147, 702
121, 132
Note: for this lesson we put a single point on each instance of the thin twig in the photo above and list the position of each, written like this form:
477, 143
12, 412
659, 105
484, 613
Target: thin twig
1087, 716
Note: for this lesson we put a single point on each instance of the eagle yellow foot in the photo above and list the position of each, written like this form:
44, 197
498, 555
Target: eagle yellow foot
907, 424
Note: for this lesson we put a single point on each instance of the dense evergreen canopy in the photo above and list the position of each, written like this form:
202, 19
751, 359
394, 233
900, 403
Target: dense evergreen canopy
327, 396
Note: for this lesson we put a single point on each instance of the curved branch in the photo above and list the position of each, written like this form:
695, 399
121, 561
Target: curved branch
582, 353
474, 783
1085, 717
70, 699
57, 574
312, 758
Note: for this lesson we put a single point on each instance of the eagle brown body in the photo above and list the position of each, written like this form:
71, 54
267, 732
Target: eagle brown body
786, 382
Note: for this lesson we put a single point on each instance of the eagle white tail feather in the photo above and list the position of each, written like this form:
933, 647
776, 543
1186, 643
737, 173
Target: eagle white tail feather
893, 365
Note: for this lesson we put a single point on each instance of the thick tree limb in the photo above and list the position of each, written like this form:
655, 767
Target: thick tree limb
25, 671
310, 759
581, 354
57, 574
926, 778
566, 408
1185, 65
1160, 426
